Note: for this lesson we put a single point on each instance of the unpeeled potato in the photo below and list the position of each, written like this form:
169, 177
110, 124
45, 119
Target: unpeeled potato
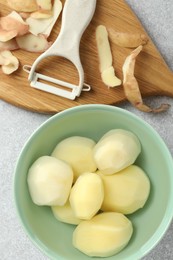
104, 235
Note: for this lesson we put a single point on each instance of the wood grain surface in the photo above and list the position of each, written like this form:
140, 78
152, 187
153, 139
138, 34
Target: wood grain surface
152, 73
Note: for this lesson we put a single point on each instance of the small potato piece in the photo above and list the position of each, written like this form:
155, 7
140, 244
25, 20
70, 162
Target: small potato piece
104, 235
86, 195
125, 191
116, 150
65, 214
49, 181
77, 151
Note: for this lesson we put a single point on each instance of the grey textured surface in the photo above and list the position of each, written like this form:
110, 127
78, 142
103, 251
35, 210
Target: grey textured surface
16, 125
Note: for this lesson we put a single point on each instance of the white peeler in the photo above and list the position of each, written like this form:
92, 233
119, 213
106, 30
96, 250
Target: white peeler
76, 16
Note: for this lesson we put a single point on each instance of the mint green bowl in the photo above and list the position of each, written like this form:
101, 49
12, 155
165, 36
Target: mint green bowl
150, 223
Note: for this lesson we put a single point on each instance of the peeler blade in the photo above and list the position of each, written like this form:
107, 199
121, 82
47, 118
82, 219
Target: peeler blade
71, 93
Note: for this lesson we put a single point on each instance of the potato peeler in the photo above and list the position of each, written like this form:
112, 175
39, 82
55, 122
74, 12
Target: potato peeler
76, 16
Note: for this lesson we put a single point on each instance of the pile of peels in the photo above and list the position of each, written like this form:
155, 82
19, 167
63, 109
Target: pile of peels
130, 83
26, 27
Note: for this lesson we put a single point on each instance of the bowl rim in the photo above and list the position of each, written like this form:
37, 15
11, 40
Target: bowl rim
168, 216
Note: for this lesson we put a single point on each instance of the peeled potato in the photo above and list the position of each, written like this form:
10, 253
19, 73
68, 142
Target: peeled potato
65, 214
116, 150
77, 151
104, 235
125, 191
86, 195
49, 181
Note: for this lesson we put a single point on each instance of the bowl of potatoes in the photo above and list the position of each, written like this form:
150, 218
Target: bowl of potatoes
94, 181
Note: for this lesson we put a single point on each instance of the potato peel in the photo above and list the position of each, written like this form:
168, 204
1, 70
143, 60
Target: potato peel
7, 35
109, 78
33, 43
44, 26
8, 62
131, 86
128, 40
42, 14
105, 58
16, 33
23, 5
14, 22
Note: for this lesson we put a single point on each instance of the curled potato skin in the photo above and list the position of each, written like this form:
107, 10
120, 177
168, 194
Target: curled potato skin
128, 40
131, 86
9, 45
9, 62
10, 23
103, 48
105, 58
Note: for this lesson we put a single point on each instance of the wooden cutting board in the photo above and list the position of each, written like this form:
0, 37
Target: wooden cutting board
153, 75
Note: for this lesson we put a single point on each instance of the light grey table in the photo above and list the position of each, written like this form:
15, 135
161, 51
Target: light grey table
16, 125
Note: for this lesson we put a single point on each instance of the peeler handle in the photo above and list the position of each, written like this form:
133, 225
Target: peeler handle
77, 14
